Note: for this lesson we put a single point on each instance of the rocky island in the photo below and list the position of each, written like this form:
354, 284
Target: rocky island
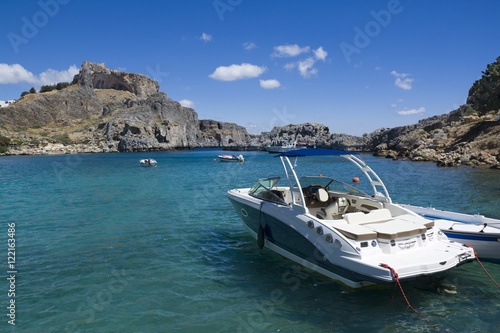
105, 110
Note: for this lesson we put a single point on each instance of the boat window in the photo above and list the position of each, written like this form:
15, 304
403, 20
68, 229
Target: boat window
264, 189
330, 184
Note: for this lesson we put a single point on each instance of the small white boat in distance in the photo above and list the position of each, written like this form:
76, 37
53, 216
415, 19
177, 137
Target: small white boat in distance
148, 162
338, 230
284, 148
231, 158
478, 231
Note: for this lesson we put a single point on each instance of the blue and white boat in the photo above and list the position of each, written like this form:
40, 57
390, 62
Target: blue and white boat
480, 232
341, 232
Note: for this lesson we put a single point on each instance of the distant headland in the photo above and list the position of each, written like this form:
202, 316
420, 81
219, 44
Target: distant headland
104, 110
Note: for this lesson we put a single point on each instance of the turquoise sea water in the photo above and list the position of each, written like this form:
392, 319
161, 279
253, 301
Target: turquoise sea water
105, 245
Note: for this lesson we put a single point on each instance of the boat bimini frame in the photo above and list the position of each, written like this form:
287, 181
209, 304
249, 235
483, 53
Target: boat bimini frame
379, 189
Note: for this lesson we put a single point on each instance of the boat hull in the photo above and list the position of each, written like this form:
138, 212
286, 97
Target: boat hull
486, 246
286, 241
295, 236
475, 231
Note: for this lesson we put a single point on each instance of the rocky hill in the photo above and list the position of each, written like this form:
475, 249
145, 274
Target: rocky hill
105, 110
468, 135
460, 137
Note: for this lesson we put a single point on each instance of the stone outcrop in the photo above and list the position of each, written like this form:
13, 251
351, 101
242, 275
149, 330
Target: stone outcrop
312, 135
459, 137
107, 110
97, 76
225, 135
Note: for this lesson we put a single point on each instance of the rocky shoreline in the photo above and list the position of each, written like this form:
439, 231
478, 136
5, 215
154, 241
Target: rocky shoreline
104, 111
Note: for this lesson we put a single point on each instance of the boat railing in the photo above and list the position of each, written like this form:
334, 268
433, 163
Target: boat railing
379, 190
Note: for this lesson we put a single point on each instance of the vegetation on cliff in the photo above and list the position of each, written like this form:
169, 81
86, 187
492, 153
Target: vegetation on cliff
484, 95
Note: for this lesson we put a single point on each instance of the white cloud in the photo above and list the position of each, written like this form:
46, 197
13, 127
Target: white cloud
270, 84
409, 112
16, 73
289, 50
306, 67
320, 54
11, 74
237, 72
206, 37
249, 46
403, 80
187, 103
51, 76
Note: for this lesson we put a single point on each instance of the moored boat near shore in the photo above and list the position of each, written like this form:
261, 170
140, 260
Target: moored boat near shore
478, 231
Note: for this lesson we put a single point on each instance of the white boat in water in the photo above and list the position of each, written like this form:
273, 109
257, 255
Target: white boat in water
231, 158
284, 148
148, 162
341, 232
478, 231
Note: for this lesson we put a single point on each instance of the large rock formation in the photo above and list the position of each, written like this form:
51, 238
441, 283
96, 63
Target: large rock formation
227, 135
460, 137
105, 110
97, 76
312, 135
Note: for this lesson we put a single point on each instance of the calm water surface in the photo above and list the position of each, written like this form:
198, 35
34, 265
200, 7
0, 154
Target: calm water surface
105, 245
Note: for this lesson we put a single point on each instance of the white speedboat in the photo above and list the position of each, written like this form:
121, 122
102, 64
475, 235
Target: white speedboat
231, 158
148, 162
341, 232
478, 231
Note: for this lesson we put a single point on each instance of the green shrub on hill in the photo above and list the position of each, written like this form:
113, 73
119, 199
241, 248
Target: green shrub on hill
4, 144
484, 95
62, 138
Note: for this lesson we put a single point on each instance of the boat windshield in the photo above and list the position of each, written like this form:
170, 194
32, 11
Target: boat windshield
263, 189
330, 184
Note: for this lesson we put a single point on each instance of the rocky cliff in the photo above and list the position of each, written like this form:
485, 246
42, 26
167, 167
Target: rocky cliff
105, 110
313, 135
460, 137
468, 135
109, 111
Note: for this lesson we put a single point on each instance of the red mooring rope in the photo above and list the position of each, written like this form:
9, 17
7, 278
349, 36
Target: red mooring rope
396, 277
484, 269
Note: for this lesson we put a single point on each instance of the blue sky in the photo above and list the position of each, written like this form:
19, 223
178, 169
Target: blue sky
354, 66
